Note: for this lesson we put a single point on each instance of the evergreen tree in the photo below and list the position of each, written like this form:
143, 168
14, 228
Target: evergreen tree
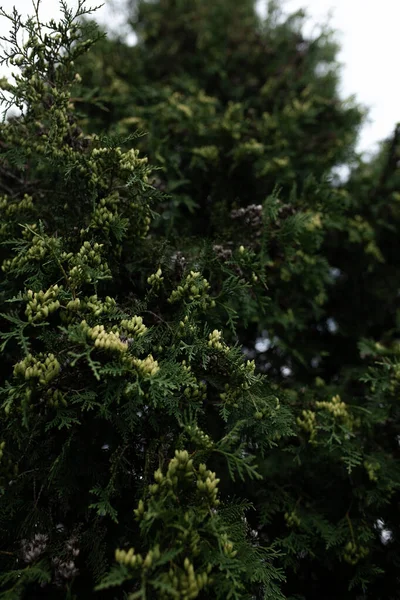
200, 357
245, 123
112, 370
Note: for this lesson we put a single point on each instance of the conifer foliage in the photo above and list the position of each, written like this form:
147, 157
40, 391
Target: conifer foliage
198, 391
111, 368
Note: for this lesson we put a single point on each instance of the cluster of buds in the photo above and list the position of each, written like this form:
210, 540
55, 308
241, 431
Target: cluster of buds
99, 162
183, 324
185, 327
198, 436
32, 549
90, 303
353, 553
90, 254
147, 366
292, 519
314, 222
104, 340
190, 536
372, 468
231, 395
156, 279
248, 367
179, 468
105, 211
102, 217
55, 398
187, 583
73, 306
88, 258
337, 409
195, 287
134, 326
181, 576
57, 107
36, 252
104, 152
207, 484
196, 391
30, 233
43, 367
132, 559
41, 304
10, 208
308, 423
102, 159
130, 160
214, 341
96, 306
228, 546
140, 510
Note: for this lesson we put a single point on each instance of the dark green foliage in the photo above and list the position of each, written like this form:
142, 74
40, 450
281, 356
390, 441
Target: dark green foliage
110, 362
130, 293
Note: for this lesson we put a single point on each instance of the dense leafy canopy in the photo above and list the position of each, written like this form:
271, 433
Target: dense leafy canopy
199, 319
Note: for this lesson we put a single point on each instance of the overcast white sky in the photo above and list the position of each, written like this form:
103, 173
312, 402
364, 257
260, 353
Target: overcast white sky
368, 33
